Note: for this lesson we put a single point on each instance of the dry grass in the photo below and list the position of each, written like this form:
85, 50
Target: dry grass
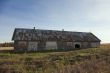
6, 48
105, 46
94, 60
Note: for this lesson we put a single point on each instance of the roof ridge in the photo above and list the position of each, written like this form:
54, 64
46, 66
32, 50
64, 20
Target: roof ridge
50, 30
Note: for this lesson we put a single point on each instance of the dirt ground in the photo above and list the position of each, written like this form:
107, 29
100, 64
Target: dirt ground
6, 48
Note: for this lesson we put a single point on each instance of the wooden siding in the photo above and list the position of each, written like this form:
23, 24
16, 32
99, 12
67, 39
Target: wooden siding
51, 45
95, 44
41, 45
32, 46
47, 45
20, 45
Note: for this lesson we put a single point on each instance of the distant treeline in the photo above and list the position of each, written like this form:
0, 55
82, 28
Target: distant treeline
7, 44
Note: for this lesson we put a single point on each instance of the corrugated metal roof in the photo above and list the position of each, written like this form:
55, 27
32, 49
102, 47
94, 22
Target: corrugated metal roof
52, 35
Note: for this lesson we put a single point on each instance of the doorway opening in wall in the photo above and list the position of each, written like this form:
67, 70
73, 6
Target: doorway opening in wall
77, 46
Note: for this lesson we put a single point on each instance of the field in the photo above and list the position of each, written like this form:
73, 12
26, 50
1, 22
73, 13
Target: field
6, 48
91, 60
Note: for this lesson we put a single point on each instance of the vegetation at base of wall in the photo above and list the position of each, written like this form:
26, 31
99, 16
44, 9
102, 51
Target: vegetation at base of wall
91, 60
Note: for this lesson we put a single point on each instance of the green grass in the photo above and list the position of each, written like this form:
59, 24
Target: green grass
91, 60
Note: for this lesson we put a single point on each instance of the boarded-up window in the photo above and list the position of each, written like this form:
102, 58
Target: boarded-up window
51, 45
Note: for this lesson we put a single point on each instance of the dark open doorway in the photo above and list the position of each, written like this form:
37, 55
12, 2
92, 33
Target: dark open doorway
77, 46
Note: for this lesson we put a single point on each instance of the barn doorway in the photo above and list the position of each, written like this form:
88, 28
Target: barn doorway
77, 46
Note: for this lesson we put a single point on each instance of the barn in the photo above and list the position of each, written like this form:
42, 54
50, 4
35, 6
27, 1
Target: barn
40, 39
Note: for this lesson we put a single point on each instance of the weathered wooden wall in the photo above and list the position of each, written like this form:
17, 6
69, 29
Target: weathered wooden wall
20, 45
48, 45
95, 44
51, 45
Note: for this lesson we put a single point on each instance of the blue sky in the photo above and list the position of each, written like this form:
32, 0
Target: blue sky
70, 15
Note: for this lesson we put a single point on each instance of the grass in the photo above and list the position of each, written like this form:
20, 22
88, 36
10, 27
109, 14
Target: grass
93, 60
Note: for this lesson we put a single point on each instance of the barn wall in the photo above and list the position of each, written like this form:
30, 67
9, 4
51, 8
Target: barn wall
51, 45
85, 44
70, 45
20, 45
95, 44
47, 45
15, 45
62, 45
32, 46
41, 45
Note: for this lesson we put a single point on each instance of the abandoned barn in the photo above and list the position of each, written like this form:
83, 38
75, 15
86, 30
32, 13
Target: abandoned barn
37, 39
